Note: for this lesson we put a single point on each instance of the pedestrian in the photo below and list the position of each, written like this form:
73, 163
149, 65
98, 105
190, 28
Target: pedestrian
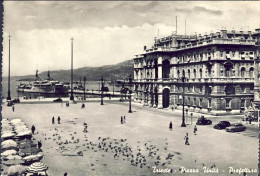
53, 120
39, 144
58, 119
122, 120
170, 125
195, 129
172, 107
186, 138
65, 174
83, 105
33, 129
13, 108
187, 111
250, 119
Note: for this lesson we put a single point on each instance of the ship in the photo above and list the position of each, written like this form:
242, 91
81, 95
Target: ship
43, 88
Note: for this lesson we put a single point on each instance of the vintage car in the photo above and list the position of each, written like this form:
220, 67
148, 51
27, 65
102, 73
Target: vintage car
236, 127
203, 121
222, 125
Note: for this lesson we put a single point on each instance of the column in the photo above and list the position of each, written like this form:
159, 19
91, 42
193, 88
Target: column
160, 98
160, 68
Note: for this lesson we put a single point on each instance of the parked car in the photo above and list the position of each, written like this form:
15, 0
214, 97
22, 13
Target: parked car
236, 127
104, 89
203, 121
222, 125
57, 100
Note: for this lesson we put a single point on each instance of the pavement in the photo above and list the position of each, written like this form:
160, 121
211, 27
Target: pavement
150, 144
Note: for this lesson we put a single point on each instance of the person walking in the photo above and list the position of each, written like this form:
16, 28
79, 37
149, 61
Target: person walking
13, 108
170, 126
33, 129
186, 138
195, 129
58, 119
53, 120
122, 120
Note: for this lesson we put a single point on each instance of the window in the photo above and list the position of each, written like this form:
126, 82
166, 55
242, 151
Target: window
194, 101
189, 73
251, 72
209, 103
243, 72
194, 73
200, 102
200, 73
243, 103
221, 53
243, 89
178, 73
228, 72
228, 103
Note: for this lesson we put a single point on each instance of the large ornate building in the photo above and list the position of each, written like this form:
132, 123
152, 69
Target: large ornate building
219, 69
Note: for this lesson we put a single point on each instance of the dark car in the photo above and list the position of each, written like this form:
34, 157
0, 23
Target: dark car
236, 127
104, 89
222, 125
203, 121
124, 90
57, 100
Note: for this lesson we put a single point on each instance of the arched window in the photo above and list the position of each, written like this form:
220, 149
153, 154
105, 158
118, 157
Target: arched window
251, 72
178, 73
200, 73
183, 73
189, 73
194, 73
166, 69
243, 71
228, 68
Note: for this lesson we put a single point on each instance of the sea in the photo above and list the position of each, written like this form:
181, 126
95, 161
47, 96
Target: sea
95, 85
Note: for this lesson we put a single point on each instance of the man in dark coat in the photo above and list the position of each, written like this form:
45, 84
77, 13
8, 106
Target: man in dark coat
170, 125
186, 138
53, 120
33, 129
58, 119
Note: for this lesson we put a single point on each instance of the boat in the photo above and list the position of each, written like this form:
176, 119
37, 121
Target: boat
43, 88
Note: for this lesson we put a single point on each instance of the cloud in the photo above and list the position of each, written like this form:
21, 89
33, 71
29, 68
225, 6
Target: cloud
209, 11
107, 32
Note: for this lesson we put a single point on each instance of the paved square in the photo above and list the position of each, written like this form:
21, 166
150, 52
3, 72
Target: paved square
134, 147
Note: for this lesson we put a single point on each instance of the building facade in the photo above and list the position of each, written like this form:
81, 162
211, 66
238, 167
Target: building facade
219, 69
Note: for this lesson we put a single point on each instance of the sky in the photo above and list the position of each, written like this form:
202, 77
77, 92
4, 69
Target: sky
107, 32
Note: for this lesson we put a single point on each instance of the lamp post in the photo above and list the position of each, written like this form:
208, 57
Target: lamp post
102, 85
71, 89
183, 79
9, 93
130, 94
84, 96
113, 87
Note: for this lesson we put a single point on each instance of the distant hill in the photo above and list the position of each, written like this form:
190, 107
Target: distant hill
109, 72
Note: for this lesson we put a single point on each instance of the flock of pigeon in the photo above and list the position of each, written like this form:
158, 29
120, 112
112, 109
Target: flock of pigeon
145, 155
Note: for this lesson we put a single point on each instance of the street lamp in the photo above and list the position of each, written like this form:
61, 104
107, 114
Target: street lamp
9, 93
113, 87
71, 89
102, 85
130, 94
183, 79
84, 97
